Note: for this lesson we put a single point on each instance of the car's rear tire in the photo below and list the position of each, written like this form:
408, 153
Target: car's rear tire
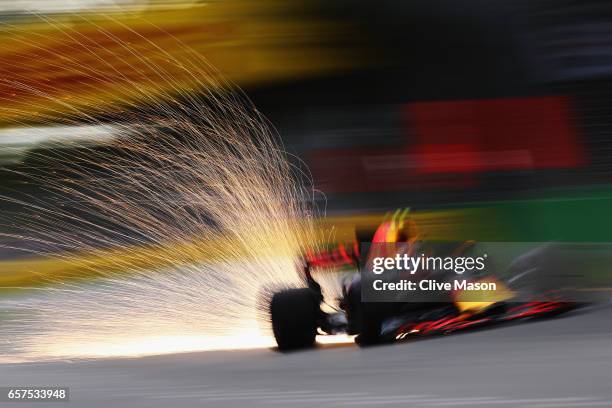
294, 318
372, 315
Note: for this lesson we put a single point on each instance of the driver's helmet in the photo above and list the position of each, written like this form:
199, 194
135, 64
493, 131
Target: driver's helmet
399, 228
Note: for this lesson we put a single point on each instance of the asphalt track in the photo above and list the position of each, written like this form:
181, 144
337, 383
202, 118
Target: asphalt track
564, 362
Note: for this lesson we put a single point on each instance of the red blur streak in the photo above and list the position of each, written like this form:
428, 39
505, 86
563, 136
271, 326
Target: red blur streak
345, 256
336, 257
445, 324
534, 308
376, 169
495, 135
427, 327
469, 323
454, 141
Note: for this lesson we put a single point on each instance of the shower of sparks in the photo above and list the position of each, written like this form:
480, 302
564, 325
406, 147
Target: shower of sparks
196, 176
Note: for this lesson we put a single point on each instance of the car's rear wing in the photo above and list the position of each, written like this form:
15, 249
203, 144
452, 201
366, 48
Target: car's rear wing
342, 255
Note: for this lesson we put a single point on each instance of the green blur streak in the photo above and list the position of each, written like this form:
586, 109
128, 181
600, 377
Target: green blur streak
577, 215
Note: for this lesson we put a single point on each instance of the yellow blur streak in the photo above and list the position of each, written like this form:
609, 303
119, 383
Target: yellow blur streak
248, 42
435, 225
465, 302
36, 271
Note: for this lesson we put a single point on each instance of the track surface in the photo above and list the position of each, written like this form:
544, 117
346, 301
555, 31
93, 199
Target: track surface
565, 362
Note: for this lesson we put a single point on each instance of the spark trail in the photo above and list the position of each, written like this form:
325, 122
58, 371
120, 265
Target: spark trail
194, 174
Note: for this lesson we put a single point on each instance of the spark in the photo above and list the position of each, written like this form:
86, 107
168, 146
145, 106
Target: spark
194, 174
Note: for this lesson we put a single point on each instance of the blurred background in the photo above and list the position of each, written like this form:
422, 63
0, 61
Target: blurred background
491, 119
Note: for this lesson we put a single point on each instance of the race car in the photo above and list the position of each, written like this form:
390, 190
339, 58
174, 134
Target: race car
297, 316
